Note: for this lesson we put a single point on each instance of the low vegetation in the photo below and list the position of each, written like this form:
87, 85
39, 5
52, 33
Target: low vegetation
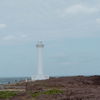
35, 94
48, 92
38, 85
7, 94
17, 84
53, 91
10, 87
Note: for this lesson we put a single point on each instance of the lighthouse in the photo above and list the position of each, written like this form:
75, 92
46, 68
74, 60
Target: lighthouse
40, 75
40, 61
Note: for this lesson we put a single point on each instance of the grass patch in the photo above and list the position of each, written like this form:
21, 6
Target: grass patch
53, 91
48, 86
35, 94
32, 82
89, 97
58, 86
17, 84
7, 94
38, 85
10, 87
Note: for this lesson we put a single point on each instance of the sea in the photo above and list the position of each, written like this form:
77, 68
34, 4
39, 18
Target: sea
6, 80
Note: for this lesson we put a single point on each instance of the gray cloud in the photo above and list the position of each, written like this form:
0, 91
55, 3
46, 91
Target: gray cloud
53, 46
10, 37
43, 20
2, 25
60, 55
98, 20
80, 8
23, 36
65, 63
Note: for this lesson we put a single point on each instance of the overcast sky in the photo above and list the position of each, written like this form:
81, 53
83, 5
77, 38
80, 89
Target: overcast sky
69, 30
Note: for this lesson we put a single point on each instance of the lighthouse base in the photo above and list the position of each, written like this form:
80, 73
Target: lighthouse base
39, 77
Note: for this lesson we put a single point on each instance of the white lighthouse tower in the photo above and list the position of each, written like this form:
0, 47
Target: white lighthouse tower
40, 75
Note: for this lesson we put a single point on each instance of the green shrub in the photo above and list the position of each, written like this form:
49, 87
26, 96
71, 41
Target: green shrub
7, 94
53, 91
58, 86
32, 82
38, 85
35, 94
10, 87
89, 97
17, 84
48, 86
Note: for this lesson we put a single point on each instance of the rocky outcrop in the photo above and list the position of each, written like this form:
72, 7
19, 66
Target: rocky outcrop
75, 88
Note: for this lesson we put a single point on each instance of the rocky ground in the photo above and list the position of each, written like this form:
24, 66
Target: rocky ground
74, 88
